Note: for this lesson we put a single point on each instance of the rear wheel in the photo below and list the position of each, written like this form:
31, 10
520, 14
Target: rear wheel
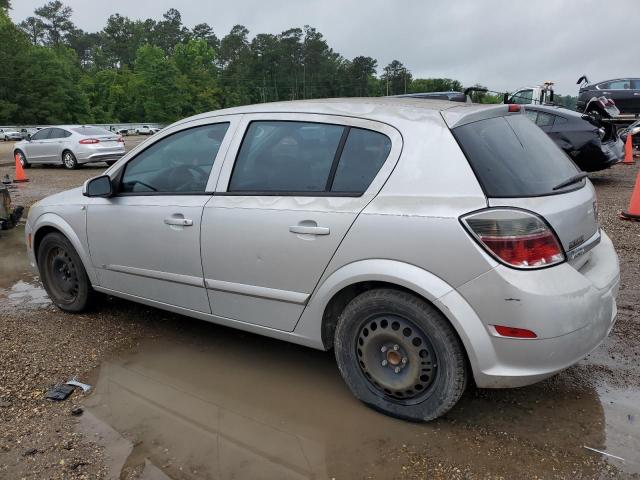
69, 160
399, 355
63, 274
111, 162
22, 159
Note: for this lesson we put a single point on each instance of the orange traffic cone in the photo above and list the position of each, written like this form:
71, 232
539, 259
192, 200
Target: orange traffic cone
20, 176
628, 152
633, 213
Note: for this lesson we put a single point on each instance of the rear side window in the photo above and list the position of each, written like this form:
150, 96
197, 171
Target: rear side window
288, 157
513, 158
364, 154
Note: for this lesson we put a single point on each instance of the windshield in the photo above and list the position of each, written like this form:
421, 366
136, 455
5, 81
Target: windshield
512, 157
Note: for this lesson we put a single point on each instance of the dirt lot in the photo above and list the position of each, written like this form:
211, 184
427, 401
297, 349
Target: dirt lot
178, 398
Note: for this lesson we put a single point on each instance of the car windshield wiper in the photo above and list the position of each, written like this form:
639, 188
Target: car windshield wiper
570, 181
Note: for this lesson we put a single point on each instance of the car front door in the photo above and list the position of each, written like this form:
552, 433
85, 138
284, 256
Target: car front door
290, 189
37, 149
145, 240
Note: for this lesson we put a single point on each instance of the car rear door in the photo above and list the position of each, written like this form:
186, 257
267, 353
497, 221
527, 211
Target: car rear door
145, 240
290, 189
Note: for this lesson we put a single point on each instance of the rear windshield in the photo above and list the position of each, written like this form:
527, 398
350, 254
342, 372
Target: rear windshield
512, 157
91, 131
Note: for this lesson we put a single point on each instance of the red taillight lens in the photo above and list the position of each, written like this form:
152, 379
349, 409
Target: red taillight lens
89, 141
514, 108
517, 238
514, 332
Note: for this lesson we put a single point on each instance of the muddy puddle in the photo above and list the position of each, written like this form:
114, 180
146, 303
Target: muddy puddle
222, 404
19, 284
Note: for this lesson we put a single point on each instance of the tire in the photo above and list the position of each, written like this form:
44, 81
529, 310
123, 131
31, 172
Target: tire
400, 356
23, 159
63, 274
111, 163
69, 160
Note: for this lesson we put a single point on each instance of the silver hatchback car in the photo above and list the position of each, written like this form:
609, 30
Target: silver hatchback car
71, 146
427, 243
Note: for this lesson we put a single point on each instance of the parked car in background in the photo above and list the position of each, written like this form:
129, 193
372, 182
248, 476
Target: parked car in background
71, 146
146, 130
426, 242
29, 131
591, 143
625, 92
123, 131
8, 134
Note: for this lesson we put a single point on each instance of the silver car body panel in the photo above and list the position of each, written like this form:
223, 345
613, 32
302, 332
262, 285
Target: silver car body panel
256, 275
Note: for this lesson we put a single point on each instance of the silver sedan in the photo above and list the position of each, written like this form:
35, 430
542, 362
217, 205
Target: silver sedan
71, 146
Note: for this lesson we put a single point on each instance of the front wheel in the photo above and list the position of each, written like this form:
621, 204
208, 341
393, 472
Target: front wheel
399, 355
63, 274
69, 160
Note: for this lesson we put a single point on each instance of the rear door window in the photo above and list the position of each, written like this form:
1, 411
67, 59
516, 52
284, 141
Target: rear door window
286, 157
364, 154
513, 158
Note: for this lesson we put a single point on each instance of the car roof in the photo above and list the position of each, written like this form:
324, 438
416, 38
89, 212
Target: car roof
378, 108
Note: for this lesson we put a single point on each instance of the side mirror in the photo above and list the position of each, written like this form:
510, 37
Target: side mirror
98, 187
28, 137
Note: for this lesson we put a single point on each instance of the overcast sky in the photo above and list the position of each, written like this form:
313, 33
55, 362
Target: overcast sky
501, 44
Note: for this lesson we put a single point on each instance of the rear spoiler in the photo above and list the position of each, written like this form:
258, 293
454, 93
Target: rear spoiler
474, 112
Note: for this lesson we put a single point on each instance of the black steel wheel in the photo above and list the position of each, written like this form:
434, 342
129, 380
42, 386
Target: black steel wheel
399, 355
396, 357
63, 274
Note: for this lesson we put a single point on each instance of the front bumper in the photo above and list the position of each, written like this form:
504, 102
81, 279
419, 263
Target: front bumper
572, 312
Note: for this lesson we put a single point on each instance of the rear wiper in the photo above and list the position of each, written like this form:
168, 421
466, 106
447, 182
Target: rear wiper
571, 181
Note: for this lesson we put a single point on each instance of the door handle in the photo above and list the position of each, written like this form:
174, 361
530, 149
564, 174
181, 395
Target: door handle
183, 222
309, 230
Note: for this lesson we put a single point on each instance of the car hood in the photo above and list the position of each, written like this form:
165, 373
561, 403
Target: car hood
68, 197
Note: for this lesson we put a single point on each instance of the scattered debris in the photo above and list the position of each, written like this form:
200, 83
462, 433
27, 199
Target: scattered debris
60, 392
76, 411
604, 453
6, 180
31, 451
76, 383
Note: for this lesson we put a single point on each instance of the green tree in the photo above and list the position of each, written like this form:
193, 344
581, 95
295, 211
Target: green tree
14, 46
203, 31
34, 27
5, 4
57, 22
396, 78
423, 85
154, 86
195, 62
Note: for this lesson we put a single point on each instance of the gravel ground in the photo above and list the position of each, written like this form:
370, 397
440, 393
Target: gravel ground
40, 346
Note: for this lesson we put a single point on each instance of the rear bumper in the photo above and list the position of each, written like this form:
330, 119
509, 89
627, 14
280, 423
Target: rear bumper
99, 157
572, 312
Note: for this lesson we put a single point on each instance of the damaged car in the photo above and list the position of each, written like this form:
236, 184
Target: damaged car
590, 141
625, 92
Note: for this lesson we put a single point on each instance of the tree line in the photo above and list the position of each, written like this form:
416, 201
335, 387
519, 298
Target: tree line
160, 70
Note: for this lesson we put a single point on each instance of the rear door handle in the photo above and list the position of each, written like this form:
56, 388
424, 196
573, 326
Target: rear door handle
183, 222
309, 230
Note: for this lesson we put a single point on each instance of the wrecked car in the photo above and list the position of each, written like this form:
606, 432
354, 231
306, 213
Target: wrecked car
389, 230
625, 92
590, 141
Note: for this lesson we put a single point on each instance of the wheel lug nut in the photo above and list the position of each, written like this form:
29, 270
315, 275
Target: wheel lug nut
404, 359
384, 363
396, 347
397, 370
383, 349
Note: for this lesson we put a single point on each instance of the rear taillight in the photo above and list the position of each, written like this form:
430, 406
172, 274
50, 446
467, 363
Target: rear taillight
517, 238
89, 141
